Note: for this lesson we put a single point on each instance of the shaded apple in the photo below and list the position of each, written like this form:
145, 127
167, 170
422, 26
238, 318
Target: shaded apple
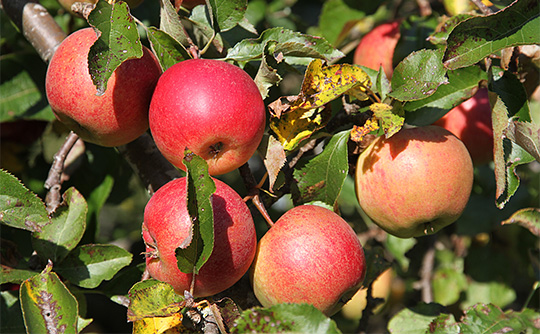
376, 48
381, 288
471, 122
167, 224
310, 255
415, 182
211, 107
115, 118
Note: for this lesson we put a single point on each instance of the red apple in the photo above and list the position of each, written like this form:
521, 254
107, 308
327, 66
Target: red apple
211, 107
189, 4
415, 182
167, 224
376, 48
121, 114
471, 122
310, 255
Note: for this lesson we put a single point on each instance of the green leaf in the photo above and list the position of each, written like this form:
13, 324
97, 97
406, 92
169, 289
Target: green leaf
67, 227
483, 318
118, 41
203, 29
88, 265
528, 218
440, 36
195, 250
496, 293
21, 98
19, 207
478, 37
448, 279
289, 43
228, 13
526, 135
47, 305
398, 247
290, 318
418, 75
416, 319
336, 18
511, 102
322, 177
462, 84
152, 298
170, 23
167, 49
267, 75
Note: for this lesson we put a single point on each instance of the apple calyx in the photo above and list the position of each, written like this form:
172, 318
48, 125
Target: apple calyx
216, 148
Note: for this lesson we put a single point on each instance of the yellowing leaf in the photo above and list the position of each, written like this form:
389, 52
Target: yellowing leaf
159, 325
323, 84
297, 125
359, 132
391, 119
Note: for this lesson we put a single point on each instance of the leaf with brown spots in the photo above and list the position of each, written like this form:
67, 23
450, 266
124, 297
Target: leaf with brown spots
47, 305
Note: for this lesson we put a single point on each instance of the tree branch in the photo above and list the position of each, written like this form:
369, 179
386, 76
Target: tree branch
54, 179
37, 26
148, 162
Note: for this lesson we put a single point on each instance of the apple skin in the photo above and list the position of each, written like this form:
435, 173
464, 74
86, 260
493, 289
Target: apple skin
310, 255
377, 47
381, 288
211, 107
121, 114
415, 182
471, 122
167, 224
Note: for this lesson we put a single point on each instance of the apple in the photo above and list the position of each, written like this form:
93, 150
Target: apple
415, 182
310, 255
113, 119
381, 288
167, 224
189, 4
376, 48
471, 122
211, 107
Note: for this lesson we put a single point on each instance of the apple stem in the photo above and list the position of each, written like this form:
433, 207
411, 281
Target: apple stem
54, 180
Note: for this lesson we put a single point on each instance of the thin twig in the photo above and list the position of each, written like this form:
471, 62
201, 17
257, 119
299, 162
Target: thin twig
426, 271
253, 192
425, 7
483, 8
54, 180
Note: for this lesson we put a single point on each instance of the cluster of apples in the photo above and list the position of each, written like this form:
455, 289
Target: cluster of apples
310, 254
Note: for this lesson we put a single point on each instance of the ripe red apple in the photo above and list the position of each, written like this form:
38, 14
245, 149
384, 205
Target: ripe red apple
310, 255
377, 47
189, 4
415, 182
471, 122
121, 114
167, 224
211, 107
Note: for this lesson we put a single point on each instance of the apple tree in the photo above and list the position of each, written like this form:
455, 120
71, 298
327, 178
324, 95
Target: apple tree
327, 132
